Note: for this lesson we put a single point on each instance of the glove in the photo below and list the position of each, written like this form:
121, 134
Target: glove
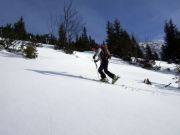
95, 61
109, 56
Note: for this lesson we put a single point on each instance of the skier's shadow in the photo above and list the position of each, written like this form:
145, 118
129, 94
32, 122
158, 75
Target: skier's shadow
44, 72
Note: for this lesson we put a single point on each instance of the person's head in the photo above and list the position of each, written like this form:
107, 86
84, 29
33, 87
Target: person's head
94, 48
105, 45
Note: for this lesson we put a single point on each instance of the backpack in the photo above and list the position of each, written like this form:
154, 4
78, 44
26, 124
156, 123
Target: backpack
105, 53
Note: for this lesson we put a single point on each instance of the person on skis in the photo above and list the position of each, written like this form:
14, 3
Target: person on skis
103, 54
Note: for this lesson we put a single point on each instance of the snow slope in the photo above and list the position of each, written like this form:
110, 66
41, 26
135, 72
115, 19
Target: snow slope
56, 94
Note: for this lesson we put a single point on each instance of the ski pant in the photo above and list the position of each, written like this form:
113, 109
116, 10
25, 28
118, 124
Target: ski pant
104, 66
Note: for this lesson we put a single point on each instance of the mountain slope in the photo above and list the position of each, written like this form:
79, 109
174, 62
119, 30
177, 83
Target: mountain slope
55, 94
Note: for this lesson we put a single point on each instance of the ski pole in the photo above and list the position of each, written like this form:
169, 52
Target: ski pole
96, 69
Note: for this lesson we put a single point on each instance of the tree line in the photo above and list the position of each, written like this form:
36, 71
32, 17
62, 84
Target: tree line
72, 35
121, 44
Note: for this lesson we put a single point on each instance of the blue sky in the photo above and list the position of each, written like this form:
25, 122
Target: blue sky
143, 18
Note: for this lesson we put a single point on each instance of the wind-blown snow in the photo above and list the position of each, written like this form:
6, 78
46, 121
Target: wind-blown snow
56, 94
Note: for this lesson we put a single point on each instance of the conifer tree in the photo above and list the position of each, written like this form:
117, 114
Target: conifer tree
30, 51
7, 31
156, 57
19, 30
83, 42
172, 42
119, 41
149, 54
110, 37
62, 38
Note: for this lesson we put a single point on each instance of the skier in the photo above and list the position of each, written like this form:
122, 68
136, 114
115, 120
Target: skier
102, 53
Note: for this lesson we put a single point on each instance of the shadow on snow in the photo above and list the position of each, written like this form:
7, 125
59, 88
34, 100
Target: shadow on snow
44, 72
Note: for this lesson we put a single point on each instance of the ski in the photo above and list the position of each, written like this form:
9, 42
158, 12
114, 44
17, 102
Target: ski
115, 80
107, 82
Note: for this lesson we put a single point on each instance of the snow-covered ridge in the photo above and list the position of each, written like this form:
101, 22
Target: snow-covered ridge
154, 45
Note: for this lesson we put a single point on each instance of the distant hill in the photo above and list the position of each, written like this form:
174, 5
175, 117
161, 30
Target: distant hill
154, 45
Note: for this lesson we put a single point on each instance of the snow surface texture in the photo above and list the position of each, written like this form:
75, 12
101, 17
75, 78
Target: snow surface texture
56, 94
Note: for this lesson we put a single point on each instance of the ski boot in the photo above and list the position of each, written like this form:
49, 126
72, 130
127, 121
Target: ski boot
104, 80
115, 79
